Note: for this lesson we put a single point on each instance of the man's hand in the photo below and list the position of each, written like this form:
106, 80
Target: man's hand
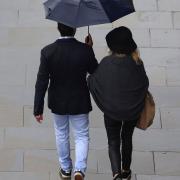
88, 40
39, 118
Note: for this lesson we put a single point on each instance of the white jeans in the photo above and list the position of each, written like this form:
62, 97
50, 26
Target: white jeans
80, 127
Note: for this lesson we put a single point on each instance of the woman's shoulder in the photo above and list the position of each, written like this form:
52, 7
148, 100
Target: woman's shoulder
106, 59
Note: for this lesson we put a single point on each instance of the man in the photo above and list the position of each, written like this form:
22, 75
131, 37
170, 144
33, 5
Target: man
65, 63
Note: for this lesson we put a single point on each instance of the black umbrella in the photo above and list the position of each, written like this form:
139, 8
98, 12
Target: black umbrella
78, 13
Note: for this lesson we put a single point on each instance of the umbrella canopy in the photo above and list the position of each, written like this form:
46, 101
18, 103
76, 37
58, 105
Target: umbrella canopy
78, 13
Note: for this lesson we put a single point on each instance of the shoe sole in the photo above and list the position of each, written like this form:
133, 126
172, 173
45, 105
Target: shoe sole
128, 178
64, 177
78, 177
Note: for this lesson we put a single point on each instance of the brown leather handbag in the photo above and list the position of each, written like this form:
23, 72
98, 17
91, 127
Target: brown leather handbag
148, 113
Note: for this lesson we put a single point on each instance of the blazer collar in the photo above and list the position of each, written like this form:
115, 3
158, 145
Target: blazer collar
66, 40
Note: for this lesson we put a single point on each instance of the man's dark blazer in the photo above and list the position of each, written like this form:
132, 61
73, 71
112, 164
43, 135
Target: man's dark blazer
65, 64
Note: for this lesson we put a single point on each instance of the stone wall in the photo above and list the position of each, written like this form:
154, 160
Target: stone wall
27, 150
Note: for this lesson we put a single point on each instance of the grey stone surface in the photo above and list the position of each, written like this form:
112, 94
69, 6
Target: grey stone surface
170, 118
173, 76
165, 38
142, 163
23, 176
150, 5
176, 19
160, 57
1, 137
98, 138
12, 160
30, 138
11, 116
164, 5
167, 163
145, 177
157, 140
41, 161
157, 75
147, 19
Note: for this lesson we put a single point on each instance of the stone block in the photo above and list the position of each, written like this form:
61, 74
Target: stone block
11, 96
145, 177
142, 163
34, 18
21, 4
29, 120
8, 18
31, 77
173, 76
17, 75
167, 163
157, 75
98, 138
23, 176
165, 38
96, 117
170, 118
176, 17
160, 56
1, 137
164, 5
11, 160
142, 37
4, 36
20, 55
157, 120
146, 20
41, 161
101, 52
145, 5
156, 140
30, 138
166, 96
11, 116
32, 37
104, 165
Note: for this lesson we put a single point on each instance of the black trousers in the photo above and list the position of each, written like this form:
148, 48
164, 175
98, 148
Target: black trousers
120, 147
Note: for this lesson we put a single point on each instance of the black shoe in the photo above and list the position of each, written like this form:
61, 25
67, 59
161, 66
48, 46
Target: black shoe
117, 177
65, 174
78, 175
126, 175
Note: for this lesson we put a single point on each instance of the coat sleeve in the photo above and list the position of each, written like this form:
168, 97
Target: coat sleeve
41, 85
92, 63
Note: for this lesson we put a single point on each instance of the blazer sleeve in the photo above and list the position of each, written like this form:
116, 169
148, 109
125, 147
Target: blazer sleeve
41, 85
92, 63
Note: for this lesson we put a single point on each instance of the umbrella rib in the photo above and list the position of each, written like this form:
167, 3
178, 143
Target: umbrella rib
104, 10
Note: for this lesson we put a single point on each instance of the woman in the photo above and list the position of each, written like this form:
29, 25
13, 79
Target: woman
119, 86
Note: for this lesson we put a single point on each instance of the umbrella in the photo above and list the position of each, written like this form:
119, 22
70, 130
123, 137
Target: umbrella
78, 13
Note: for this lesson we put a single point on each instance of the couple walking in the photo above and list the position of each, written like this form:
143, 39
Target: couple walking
118, 85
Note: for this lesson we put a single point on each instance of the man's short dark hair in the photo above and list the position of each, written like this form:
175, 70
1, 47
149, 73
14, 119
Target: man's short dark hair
66, 30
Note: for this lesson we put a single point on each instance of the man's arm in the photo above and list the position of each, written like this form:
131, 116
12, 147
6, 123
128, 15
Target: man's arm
41, 87
93, 63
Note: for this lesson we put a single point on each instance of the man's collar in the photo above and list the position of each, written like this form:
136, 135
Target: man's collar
66, 37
